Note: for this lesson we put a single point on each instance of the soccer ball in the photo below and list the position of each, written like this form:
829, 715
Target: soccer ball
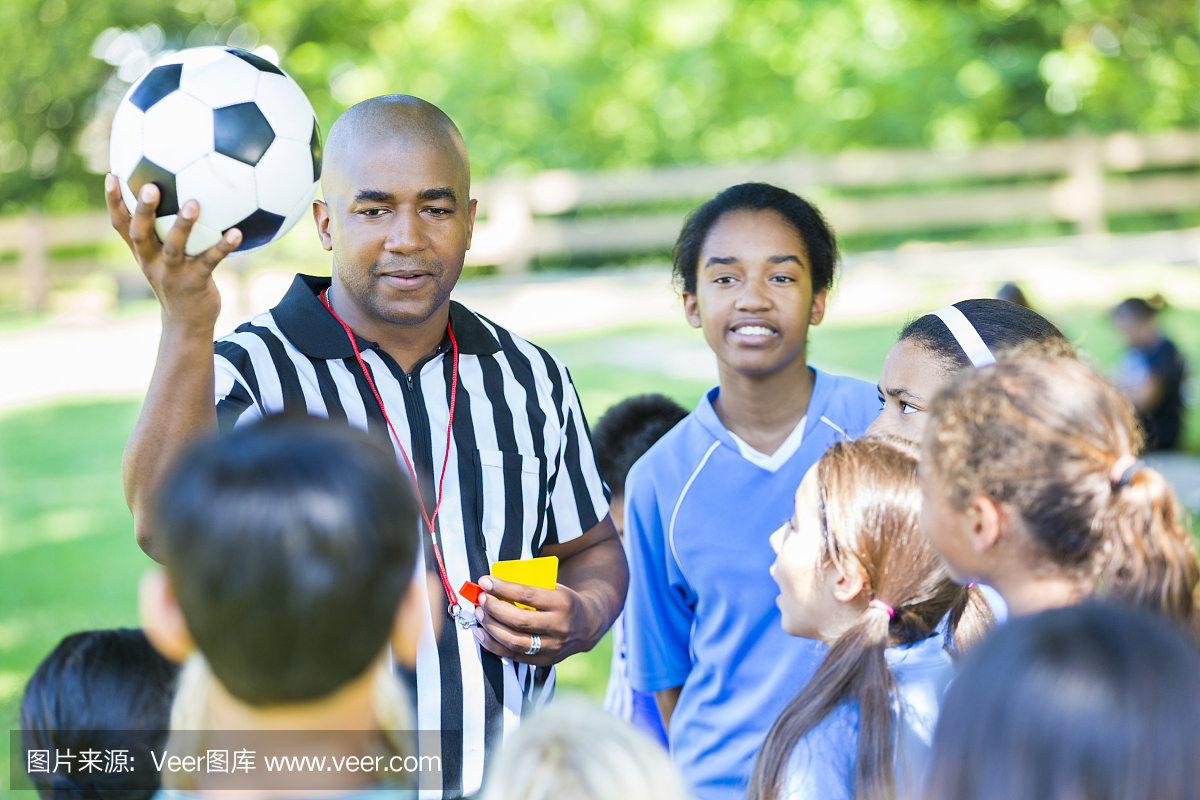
228, 129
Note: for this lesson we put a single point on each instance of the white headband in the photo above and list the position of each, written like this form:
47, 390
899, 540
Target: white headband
967, 337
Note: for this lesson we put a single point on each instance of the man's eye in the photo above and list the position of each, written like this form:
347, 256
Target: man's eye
438, 212
723, 279
784, 279
882, 402
908, 408
372, 212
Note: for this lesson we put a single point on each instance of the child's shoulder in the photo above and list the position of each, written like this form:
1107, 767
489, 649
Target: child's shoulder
687, 435
821, 765
845, 387
851, 403
680, 448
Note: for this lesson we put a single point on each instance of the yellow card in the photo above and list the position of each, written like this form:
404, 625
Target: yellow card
540, 573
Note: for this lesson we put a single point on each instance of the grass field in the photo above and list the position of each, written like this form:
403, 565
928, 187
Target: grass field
68, 560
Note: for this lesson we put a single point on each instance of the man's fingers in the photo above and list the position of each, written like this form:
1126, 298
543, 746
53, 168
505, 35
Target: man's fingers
213, 255
510, 615
520, 593
118, 214
489, 643
173, 245
504, 641
141, 230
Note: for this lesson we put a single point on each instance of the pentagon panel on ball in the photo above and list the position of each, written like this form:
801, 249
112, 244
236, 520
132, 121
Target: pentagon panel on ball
223, 127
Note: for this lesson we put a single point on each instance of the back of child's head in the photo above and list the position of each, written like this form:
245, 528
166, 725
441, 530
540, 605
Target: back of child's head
1139, 308
1013, 294
575, 751
1044, 437
820, 243
1006, 328
99, 691
870, 504
626, 431
1093, 701
289, 545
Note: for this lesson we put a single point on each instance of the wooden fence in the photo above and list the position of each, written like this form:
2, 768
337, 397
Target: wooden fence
1081, 180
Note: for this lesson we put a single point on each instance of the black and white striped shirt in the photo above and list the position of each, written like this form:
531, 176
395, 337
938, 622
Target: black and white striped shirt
521, 474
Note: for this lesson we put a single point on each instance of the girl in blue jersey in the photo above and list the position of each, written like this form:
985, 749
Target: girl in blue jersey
855, 573
754, 266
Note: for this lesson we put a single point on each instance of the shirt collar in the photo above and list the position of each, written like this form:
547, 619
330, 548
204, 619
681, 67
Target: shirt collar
303, 319
706, 415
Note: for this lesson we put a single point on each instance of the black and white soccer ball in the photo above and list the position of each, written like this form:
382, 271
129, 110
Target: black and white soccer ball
228, 129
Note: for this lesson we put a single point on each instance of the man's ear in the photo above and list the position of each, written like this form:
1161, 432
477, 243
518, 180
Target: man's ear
321, 217
818, 307
691, 309
406, 631
471, 209
983, 524
846, 585
162, 618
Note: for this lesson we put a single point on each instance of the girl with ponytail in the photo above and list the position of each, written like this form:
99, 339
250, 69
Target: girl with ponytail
855, 572
1031, 484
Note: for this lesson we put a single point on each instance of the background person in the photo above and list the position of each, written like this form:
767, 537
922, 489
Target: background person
855, 572
755, 265
1012, 293
621, 436
1095, 701
488, 425
1031, 485
1151, 373
102, 691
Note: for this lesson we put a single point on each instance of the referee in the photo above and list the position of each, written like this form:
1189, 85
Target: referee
489, 424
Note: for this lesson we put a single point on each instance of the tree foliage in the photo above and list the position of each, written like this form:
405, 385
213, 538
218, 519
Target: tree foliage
606, 84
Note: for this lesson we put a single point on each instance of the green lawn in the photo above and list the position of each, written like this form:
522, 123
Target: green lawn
68, 560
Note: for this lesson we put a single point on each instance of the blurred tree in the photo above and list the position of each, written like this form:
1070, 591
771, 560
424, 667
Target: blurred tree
602, 84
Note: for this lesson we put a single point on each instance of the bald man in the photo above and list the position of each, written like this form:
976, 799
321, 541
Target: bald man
489, 425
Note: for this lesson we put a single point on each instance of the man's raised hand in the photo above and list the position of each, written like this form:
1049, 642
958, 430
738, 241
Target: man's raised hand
183, 284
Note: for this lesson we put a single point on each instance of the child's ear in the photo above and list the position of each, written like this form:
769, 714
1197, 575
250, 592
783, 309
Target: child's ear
848, 585
983, 524
691, 309
162, 619
818, 307
406, 630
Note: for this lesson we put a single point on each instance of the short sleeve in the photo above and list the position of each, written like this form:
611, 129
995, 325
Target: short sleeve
578, 500
658, 610
236, 404
1165, 362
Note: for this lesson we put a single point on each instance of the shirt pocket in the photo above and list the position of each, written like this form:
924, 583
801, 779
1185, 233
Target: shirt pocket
512, 492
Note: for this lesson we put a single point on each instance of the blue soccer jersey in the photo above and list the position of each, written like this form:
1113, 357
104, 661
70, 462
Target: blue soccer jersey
700, 507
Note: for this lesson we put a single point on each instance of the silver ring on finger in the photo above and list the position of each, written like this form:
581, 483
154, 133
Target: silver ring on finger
535, 645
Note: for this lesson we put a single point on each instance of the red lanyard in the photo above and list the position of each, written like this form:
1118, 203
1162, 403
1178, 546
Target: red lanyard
450, 594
